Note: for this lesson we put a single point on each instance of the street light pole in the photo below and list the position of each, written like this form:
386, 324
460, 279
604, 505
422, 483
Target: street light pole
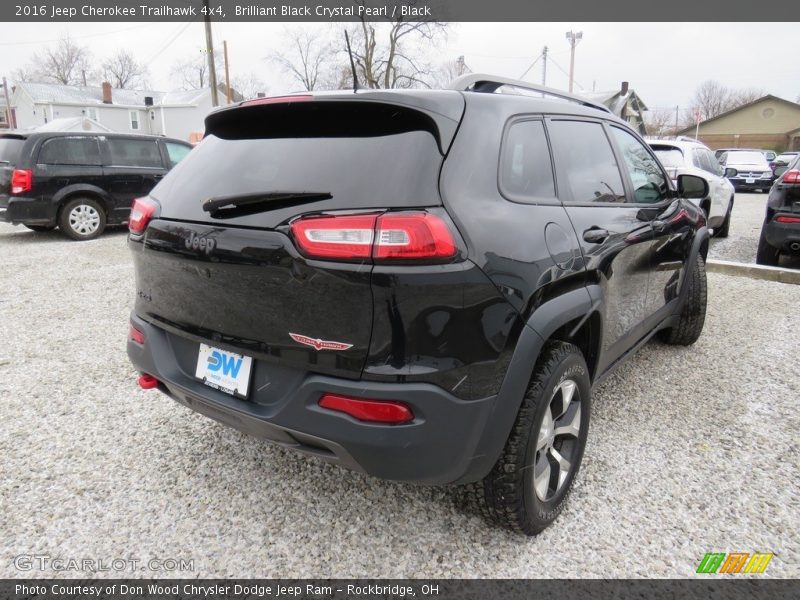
573, 38
212, 71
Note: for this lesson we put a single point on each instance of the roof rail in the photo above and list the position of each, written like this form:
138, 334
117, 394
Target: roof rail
481, 82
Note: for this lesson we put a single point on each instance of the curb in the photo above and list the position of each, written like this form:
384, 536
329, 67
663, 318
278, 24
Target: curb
752, 271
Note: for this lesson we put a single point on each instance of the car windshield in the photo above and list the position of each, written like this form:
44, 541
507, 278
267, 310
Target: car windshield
670, 156
746, 158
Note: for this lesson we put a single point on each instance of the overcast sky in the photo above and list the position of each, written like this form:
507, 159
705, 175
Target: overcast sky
664, 62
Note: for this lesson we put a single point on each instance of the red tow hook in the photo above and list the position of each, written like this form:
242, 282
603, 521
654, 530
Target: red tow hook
147, 382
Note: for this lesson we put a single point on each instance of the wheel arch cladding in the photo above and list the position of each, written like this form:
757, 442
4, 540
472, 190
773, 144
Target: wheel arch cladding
71, 193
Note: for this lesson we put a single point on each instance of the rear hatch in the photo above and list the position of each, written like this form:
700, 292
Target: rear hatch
10, 150
246, 285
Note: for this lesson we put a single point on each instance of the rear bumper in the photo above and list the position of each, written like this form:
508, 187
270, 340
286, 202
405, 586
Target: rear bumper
785, 236
441, 445
757, 184
28, 211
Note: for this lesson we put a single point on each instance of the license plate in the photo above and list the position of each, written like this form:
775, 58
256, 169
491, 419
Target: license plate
750, 180
224, 371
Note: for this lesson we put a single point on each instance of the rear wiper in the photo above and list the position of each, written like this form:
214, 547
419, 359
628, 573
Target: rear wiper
240, 205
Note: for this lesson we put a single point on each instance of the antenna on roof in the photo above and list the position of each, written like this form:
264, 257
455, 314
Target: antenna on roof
352, 62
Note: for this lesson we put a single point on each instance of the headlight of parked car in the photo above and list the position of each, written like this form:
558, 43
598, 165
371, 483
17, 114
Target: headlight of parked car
766, 174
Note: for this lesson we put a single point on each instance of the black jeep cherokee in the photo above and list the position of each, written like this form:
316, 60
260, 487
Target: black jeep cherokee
419, 285
780, 233
78, 181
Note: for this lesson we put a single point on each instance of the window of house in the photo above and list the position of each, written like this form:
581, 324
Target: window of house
583, 153
70, 151
526, 170
134, 114
134, 153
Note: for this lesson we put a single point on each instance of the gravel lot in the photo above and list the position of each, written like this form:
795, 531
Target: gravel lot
690, 451
742, 241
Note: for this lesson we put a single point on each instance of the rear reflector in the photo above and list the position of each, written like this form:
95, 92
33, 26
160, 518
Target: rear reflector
147, 382
375, 411
136, 335
387, 237
21, 181
142, 212
787, 219
792, 176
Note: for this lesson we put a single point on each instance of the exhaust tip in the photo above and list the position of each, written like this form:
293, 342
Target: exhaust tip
795, 246
147, 382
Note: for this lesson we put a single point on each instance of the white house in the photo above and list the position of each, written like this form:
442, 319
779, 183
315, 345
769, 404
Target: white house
175, 114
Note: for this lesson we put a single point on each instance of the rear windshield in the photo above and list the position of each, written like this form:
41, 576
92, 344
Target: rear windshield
746, 158
387, 169
669, 156
10, 149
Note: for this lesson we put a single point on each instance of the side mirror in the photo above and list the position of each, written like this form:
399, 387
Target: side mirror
692, 187
731, 172
780, 170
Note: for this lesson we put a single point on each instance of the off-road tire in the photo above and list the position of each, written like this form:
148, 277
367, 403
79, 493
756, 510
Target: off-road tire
506, 496
767, 255
64, 219
725, 228
693, 314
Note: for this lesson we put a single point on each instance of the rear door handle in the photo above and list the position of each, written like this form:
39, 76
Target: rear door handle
595, 235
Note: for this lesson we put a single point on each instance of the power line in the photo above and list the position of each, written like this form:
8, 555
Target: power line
565, 73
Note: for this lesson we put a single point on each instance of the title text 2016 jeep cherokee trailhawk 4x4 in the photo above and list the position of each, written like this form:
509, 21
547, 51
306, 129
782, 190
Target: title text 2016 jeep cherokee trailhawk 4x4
419, 285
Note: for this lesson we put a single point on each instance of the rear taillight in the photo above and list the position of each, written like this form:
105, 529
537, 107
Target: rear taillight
142, 212
136, 335
21, 181
347, 237
792, 176
384, 238
787, 219
375, 411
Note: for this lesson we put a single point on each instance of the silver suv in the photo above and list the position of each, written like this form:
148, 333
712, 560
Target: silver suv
689, 157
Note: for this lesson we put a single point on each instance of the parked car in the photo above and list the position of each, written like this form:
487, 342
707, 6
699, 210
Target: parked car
747, 170
780, 233
693, 158
80, 182
359, 278
783, 159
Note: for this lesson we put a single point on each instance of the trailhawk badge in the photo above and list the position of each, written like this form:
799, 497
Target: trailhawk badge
319, 344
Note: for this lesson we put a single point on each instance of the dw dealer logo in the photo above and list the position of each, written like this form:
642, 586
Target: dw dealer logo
734, 562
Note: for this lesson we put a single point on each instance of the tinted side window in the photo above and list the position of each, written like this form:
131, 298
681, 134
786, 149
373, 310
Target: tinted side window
712, 162
583, 154
176, 152
649, 183
134, 153
697, 159
526, 171
70, 151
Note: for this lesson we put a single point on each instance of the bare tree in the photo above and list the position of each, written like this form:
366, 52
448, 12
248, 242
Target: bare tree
122, 70
447, 71
660, 122
193, 74
711, 99
311, 58
65, 62
248, 85
393, 54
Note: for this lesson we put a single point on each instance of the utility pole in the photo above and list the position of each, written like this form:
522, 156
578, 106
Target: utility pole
227, 72
573, 38
676, 119
212, 71
460, 65
544, 66
10, 120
